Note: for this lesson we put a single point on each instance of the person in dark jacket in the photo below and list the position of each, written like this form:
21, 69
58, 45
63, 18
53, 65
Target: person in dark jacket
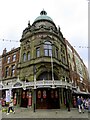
79, 102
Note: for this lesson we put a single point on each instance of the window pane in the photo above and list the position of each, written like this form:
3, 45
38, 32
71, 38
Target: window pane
38, 52
14, 57
46, 52
8, 61
13, 70
7, 71
24, 57
45, 46
47, 49
48, 43
50, 52
28, 55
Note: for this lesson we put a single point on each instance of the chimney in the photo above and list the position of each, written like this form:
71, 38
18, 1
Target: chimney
4, 51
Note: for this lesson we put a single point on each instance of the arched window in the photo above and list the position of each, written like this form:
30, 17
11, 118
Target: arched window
24, 57
38, 52
47, 49
28, 55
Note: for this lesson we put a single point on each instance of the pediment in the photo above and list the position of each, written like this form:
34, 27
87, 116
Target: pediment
17, 84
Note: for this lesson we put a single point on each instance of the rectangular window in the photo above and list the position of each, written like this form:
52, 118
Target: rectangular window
63, 59
7, 72
14, 57
28, 55
47, 49
8, 60
38, 52
13, 70
50, 52
46, 52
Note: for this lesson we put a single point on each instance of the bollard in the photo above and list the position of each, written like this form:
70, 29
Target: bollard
69, 108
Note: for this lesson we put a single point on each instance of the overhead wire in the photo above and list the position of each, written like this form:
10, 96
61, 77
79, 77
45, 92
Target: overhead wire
7, 40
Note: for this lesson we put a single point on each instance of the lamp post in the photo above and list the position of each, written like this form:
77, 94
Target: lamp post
52, 72
34, 94
34, 99
52, 67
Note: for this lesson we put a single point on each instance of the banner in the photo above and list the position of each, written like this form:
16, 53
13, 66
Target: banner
8, 95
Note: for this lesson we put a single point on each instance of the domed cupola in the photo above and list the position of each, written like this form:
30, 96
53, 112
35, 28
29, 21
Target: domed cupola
42, 18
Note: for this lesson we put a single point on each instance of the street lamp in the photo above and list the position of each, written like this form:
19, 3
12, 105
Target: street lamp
34, 99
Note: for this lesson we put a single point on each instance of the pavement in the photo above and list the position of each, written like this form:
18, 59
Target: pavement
46, 113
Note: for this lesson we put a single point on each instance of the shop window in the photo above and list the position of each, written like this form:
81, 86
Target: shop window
56, 94
47, 49
39, 94
38, 52
44, 94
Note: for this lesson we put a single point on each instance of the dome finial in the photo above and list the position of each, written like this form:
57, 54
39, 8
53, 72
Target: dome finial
29, 23
43, 12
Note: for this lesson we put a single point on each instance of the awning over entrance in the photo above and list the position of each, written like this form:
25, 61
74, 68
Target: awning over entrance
80, 92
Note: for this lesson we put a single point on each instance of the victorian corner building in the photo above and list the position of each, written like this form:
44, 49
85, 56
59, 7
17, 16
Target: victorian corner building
45, 71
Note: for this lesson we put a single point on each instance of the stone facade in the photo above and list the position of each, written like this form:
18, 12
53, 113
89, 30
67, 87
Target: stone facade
33, 42
45, 70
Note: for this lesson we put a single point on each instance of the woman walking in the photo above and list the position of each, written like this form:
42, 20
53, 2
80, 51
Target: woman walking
10, 107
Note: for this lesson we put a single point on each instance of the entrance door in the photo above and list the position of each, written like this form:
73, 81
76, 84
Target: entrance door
41, 99
24, 99
47, 99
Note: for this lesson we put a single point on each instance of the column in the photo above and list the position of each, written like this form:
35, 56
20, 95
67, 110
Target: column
34, 100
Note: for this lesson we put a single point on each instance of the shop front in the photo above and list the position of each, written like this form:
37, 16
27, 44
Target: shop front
22, 98
47, 98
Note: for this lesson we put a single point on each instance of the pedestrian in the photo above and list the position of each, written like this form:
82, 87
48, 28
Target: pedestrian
11, 107
79, 104
68, 105
82, 104
86, 104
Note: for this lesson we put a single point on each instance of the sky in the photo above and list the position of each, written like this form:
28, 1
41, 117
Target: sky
70, 15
